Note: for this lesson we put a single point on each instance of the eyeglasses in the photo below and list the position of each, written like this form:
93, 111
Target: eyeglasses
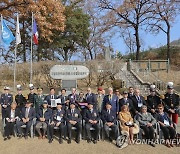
160, 108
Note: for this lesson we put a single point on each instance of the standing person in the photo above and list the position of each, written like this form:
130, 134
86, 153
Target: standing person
153, 101
32, 94
51, 96
166, 126
138, 101
58, 120
39, 99
73, 97
19, 98
12, 115
118, 94
91, 97
43, 115
109, 121
82, 103
64, 99
113, 99
6, 100
126, 101
100, 97
73, 119
171, 102
131, 92
28, 113
91, 117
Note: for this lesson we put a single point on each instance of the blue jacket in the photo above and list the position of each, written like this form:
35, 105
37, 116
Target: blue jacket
31, 115
61, 114
76, 116
47, 114
106, 117
6, 100
91, 116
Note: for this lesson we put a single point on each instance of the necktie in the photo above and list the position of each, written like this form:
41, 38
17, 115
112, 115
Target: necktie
52, 96
109, 111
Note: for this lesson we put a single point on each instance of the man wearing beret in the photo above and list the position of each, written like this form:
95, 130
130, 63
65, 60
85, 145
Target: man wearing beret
58, 120
6, 100
73, 118
43, 117
28, 113
91, 117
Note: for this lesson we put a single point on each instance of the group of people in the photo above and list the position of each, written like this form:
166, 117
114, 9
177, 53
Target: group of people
127, 112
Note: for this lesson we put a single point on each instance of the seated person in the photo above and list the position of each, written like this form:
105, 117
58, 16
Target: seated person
28, 113
109, 121
73, 118
146, 122
11, 116
43, 116
166, 125
127, 123
91, 117
58, 120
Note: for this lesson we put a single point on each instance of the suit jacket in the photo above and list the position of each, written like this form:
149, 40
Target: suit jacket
128, 102
91, 98
152, 102
73, 98
91, 116
20, 100
114, 102
171, 101
135, 103
31, 97
47, 114
76, 116
144, 119
6, 100
17, 113
61, 114
130, 95
161, 118
106, 117
31, 115
48, 98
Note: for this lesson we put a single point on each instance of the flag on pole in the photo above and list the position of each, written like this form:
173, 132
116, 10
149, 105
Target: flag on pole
35, 33
18, 36
7, 35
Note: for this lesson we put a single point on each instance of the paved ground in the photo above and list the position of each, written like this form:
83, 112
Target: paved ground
35, 146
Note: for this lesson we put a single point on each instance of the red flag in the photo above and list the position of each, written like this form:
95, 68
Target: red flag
35, 33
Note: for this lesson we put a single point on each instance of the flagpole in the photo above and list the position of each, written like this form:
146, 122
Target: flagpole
31, 60
15, 61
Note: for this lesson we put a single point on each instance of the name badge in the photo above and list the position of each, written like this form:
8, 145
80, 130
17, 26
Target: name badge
140, 104
76, 115
58, 118
166, 122
95, 114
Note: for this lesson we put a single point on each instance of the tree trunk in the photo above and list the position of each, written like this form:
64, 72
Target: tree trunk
168, 42
138, 46
66, 55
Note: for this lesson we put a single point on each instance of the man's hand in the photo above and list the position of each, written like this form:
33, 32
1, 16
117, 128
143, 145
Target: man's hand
4, 106
24, 120
95, 122
52, 123
172, 111
91, 121
57, 125
149, 124
42, 119
27, 119
152, 110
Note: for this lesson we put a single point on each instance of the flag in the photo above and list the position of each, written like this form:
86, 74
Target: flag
18, 36
35, 33
7, 35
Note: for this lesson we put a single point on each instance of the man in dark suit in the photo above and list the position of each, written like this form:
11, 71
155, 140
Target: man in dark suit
28, 113
6, 100
73, 97
64, 99
58, 120
126, 101
12, 115
51, 96
131, 92
91, 98
138, 101
91, 117
73, 118
43, 117
113, 99
153, 101
19, 98
109, 121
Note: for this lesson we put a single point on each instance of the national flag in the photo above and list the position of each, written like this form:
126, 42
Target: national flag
35, 33
7, 35
18, 36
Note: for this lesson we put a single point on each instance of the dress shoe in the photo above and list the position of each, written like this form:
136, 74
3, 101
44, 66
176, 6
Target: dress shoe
88, 140
8, 137
50, 140
69, 141
110, 139
168, 145
77, 141
20, 136
95, 141
60, 141
152, 144
26, 137
5, 138
171, 145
